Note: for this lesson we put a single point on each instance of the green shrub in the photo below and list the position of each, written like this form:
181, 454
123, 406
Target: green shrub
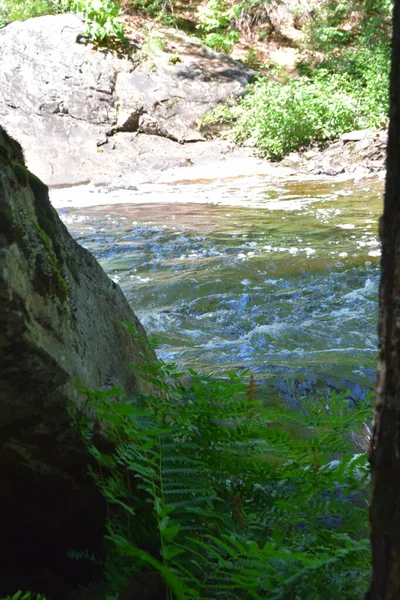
335, 23
281, 117
19, 10
215, 25
102, 17
347, 89
218, 496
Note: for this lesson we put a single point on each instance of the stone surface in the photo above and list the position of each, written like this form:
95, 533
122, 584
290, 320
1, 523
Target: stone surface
357, 136
60, 320
358, 154
66, 101
168, 95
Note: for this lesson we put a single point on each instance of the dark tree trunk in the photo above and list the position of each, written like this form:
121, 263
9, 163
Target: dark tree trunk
385, 443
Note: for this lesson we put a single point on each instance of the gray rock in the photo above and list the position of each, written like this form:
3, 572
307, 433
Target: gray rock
67, 102
332, 169
356, 136
167, 99
60, 321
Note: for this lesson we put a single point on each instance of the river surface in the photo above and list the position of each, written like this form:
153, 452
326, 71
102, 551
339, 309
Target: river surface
278, 277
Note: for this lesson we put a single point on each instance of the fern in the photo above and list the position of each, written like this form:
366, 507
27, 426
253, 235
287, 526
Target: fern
224, 497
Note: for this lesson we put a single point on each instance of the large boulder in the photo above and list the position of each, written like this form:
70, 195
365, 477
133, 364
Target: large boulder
69, 103
60, 323
166, 94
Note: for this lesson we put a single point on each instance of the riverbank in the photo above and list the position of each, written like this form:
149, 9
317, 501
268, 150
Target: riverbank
356, 154
165, 164
136, 118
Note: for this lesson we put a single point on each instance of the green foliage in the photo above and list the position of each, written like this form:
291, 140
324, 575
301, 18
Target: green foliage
215, 25
102, 17
14, 11
339, 96
346, 90
217, 496
19, 10
174, 59
335, 23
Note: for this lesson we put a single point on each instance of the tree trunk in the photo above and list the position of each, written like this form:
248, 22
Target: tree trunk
385, 442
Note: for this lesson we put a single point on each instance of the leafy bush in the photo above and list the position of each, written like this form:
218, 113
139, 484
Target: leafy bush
215, 25
347, 89
336, 23
213, 495
102, 17
281, 117
19, 10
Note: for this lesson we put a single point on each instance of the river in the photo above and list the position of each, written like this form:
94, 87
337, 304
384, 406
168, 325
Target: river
276, 276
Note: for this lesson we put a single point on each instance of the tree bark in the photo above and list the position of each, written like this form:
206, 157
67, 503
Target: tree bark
385, 442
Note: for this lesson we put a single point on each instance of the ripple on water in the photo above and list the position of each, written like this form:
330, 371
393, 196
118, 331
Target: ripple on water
285, 283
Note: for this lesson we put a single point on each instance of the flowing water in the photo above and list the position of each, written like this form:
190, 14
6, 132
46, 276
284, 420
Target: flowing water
278, 277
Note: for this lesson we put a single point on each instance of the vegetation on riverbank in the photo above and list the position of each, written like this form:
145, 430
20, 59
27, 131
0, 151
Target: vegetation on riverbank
212, 494
340, 83
278, 117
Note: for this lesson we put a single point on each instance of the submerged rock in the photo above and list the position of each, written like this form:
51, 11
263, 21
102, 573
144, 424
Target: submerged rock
60, 322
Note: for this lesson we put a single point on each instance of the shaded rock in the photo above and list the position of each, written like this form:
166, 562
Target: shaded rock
60, 323
65, 101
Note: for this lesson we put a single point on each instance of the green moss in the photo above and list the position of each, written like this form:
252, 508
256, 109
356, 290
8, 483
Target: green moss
7, 224
39, 189
10, 229
12, 147
49, 280
45, 213
21, 173
4, 155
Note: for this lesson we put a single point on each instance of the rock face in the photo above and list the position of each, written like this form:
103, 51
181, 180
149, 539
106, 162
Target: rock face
357, 153
165, 95
69, 105
59, 323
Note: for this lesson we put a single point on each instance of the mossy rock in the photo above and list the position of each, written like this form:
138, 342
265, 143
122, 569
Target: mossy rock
11, 230
4, 155
21, 173
49, 280
46, 215
47, 254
